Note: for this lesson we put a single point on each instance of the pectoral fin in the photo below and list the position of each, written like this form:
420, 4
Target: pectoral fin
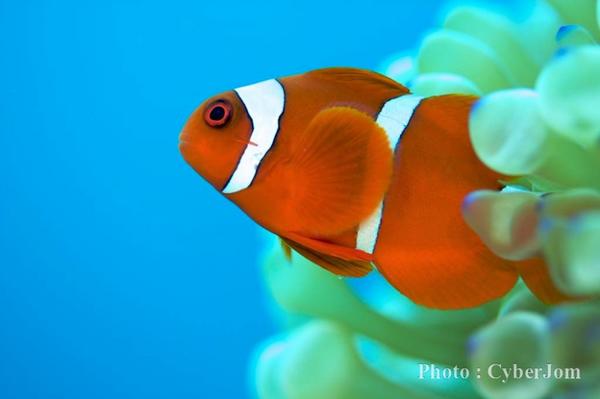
336, 174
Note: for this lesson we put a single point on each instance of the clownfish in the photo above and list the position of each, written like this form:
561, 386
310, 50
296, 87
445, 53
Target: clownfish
354, 172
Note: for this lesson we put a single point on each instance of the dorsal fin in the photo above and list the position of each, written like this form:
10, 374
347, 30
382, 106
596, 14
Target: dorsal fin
361, 79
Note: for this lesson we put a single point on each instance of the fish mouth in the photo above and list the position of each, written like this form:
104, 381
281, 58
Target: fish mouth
184, 137
185, 146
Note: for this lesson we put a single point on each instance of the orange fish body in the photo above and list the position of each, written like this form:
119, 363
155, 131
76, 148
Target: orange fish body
351, 170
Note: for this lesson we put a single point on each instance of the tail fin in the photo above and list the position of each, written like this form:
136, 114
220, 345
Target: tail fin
534, 273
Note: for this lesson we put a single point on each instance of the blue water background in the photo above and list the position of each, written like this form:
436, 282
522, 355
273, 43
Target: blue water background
123, 274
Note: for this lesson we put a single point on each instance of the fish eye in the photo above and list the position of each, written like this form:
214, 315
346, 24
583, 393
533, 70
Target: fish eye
218, 113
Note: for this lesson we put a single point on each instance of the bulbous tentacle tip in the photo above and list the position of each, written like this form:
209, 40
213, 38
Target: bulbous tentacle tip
477, 105
557, 319
546, 225
469, 200
541, 204
561, 53
564, 30
472, 345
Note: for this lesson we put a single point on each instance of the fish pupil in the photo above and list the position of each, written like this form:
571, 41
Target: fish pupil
217, 113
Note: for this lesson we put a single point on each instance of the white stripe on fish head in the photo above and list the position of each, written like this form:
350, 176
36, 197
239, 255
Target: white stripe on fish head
265, 103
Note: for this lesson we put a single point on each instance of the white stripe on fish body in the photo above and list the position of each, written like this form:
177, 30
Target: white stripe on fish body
394, 118
264, 102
